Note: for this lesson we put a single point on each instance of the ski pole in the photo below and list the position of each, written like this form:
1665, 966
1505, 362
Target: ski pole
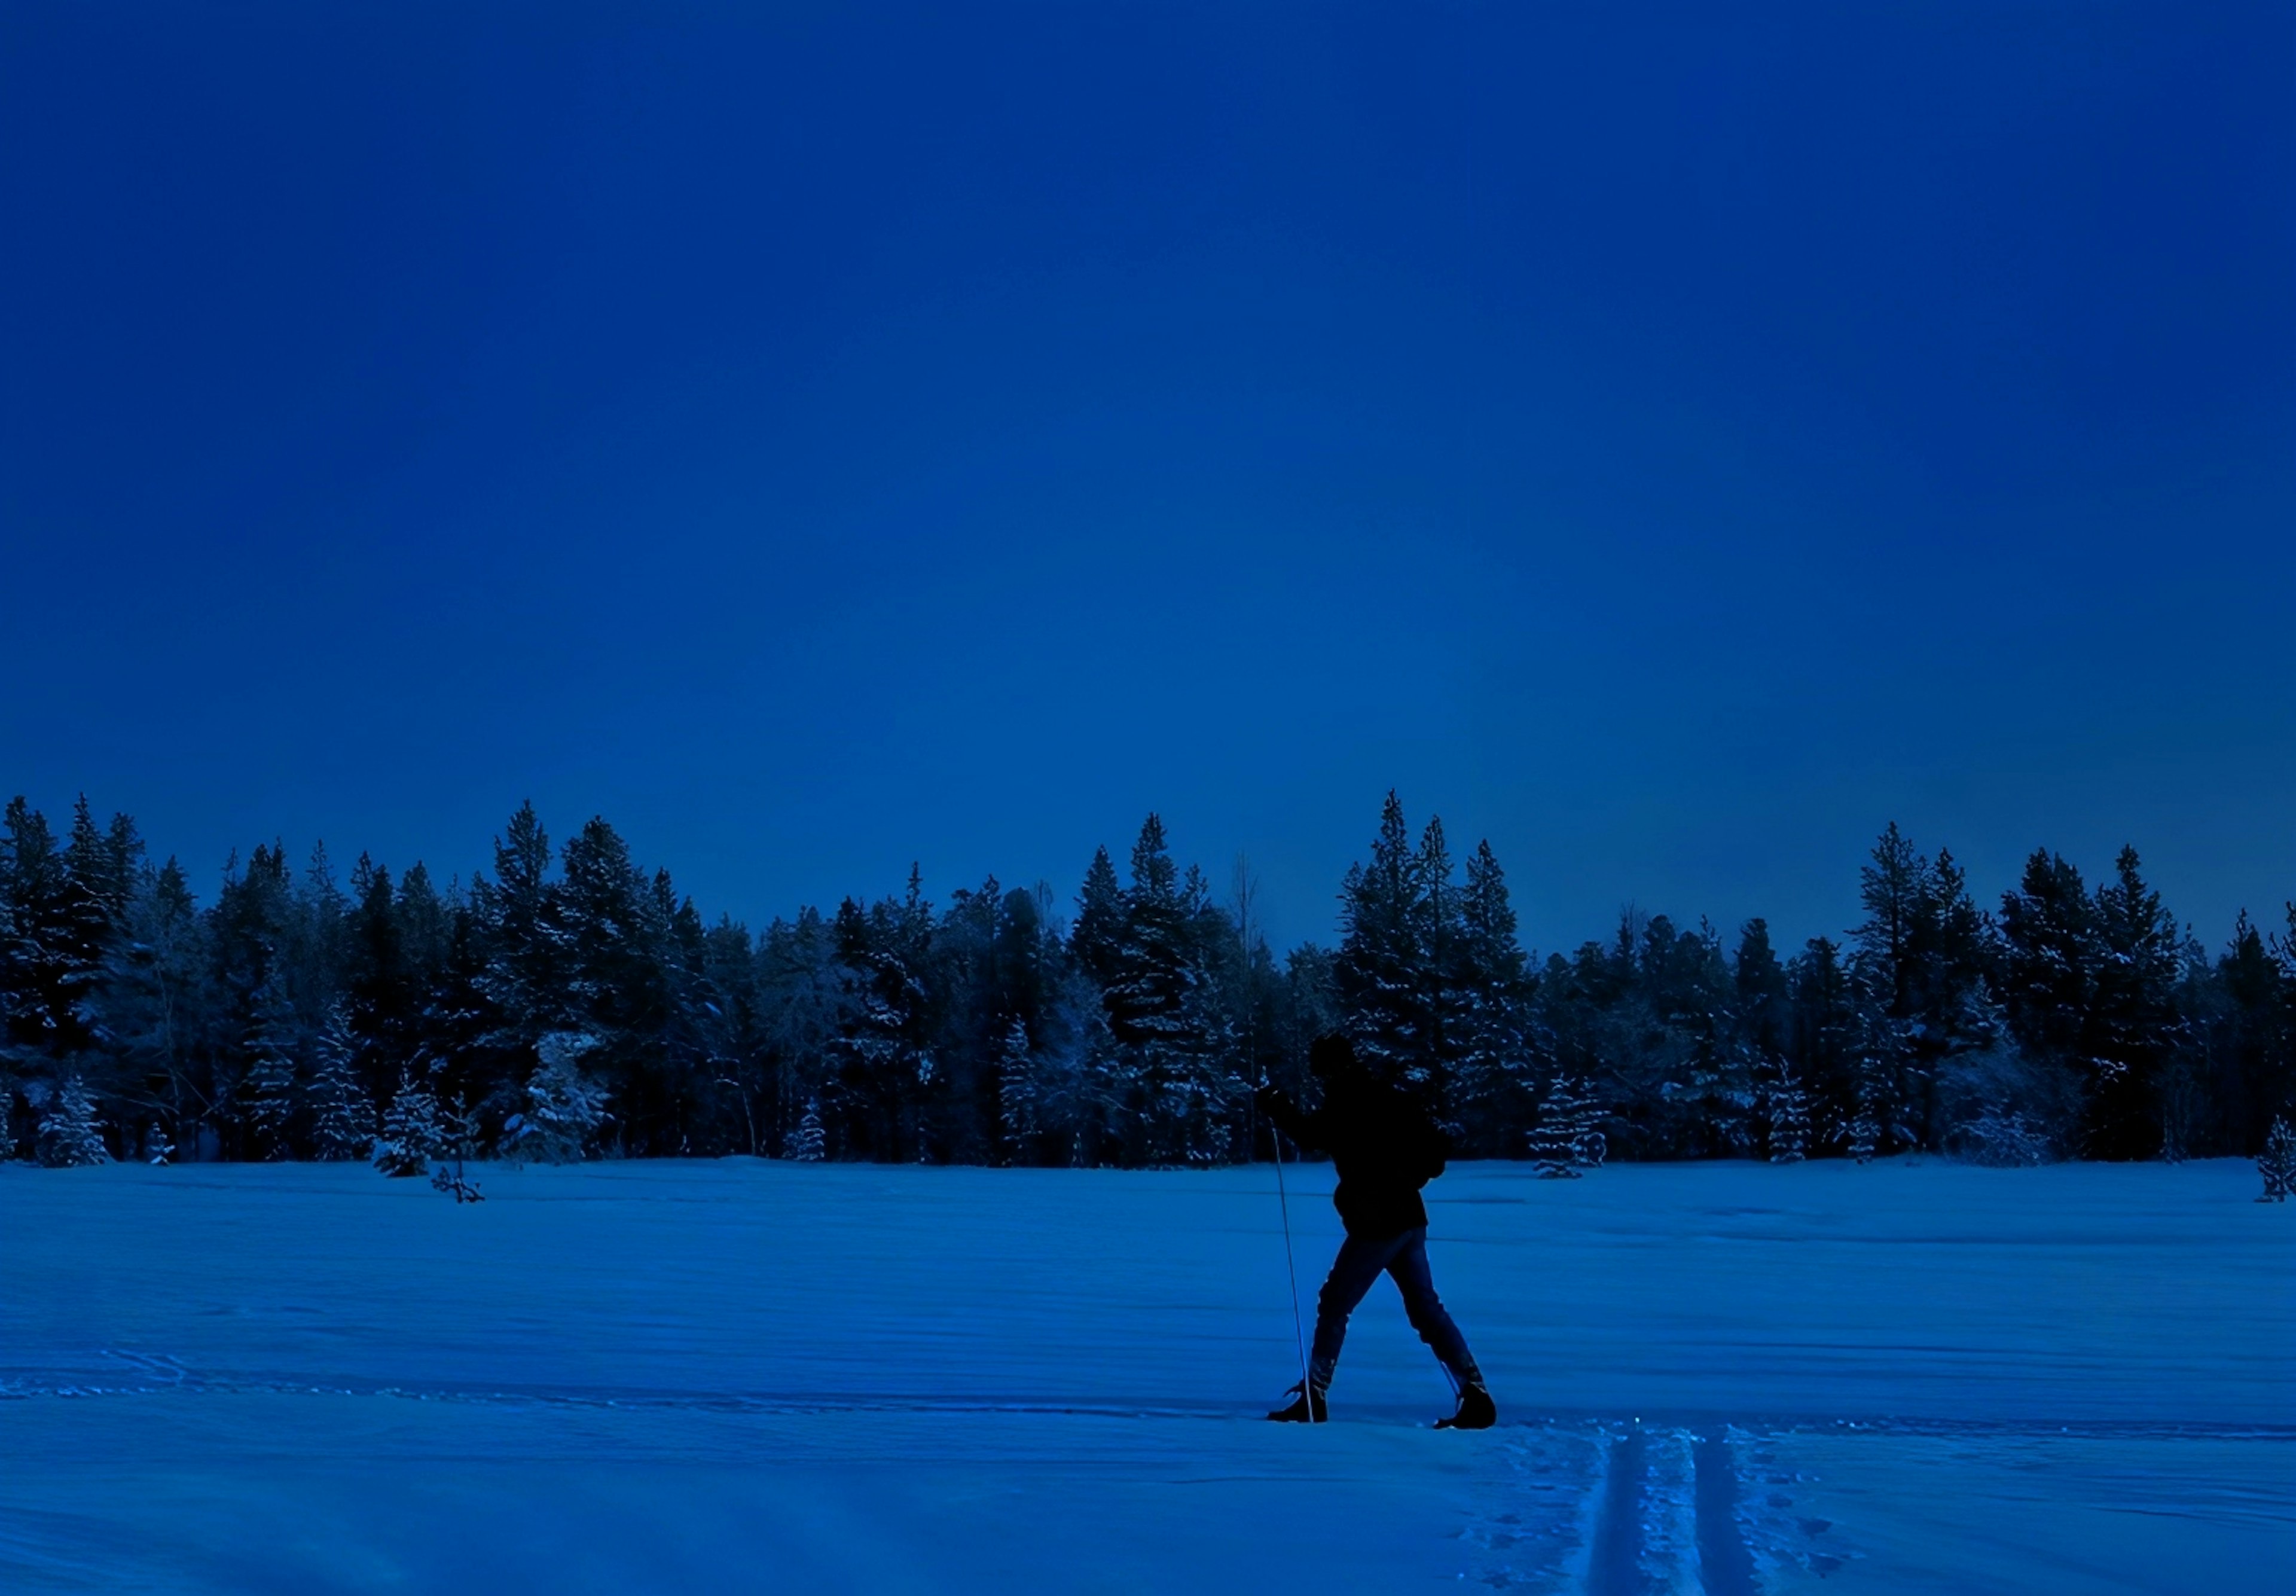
1299, 1331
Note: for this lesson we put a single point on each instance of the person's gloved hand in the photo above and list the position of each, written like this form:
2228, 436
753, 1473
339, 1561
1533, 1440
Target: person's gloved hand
1269, 1101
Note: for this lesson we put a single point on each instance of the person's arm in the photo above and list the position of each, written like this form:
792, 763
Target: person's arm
1287, 1116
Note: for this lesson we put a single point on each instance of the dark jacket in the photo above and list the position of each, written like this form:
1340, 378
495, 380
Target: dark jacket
1381, 1143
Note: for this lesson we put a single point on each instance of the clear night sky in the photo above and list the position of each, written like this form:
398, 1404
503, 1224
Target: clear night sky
1671, 443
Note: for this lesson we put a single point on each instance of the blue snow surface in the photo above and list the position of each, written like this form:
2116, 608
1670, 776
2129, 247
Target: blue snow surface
749, 1376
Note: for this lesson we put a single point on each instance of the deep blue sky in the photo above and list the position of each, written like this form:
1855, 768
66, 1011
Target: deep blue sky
1668, 442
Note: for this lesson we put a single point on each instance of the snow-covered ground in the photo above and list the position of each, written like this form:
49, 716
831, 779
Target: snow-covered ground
741, 1376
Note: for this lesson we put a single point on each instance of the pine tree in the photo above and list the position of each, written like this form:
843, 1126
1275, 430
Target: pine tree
1384, 961
1761, 991
1016, 1086
1887, 1079
806, 1142
2278, 1163
1894, 888
1164, 1015
69, 1132
38, 966
1582, 1118
154, 1006
342, 1116
1553, 1139
1098, 936
1069, 1088
565, 1109
1864, 1133
1786, 1110
270, 1093
1821, 1018
412, 1132
885, 1062
2135, 1029
1151, 967
2051, 954
1491, 1035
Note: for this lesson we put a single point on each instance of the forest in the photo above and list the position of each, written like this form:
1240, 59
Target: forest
570, 1004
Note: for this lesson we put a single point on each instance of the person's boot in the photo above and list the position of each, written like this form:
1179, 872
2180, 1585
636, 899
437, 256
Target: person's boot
1477, 1411
1307, 1408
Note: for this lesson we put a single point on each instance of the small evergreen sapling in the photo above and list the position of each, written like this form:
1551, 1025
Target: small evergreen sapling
1551, 1138
1566, 1139
805, 1142
565, 1109
2278, 1163
1787, 1108
70, 1132
457, 1126
1864, 1130
411, 1132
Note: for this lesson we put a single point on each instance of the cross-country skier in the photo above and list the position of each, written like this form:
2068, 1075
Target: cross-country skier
1384, 1148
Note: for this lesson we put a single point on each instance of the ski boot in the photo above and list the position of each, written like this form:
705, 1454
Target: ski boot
1307, 1407
1477, 1411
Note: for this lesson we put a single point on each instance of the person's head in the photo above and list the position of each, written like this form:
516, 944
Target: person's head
1332, 1058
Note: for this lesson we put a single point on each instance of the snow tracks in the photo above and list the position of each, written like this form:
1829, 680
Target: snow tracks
1628, 1511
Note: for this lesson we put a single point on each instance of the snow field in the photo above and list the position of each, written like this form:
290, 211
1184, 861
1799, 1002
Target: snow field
743, 1375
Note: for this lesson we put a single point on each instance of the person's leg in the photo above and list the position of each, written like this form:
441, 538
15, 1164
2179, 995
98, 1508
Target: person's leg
1408, 1266
1358, 1265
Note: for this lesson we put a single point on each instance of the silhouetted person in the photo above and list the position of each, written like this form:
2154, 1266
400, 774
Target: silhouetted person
1384, 1148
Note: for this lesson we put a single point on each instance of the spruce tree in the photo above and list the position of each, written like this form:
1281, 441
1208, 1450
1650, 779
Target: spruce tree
806, 1142
1786, 1111
1895, 887
1444, 998
1016, 1089
1581, 1117
270, 1093
565, 1109
2051, 955
1097, 938
155, 1005
1761, 991
1554, 1136
1161, 1014
1490, 1033
412, 1131
1384, 962
2278, 1163
1821, 1018
342, 1115
69, 1132
39, 959
2135, 1030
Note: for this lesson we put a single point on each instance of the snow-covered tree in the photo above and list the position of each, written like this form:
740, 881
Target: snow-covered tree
2278, 1163
1068, 1087
69, 1132
1554, 1138
1568, 1136
2134, 1027
1097, 938
1786, 1111
270, 1093
565, 1109
342, 1116
412, 1132
1494, 1050
804, 1144
1384, 957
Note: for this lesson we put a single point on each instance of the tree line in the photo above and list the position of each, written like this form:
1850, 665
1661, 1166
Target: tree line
570, 1004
